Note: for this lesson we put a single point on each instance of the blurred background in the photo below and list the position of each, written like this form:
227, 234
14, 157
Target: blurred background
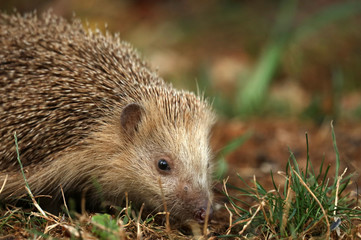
252, 58
273, 68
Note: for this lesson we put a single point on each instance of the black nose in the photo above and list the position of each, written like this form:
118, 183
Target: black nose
201, 214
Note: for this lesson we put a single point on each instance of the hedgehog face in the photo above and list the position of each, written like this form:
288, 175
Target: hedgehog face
186, 184
173, 159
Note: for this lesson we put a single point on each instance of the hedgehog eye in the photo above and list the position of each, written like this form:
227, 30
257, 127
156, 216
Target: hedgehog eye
163, 165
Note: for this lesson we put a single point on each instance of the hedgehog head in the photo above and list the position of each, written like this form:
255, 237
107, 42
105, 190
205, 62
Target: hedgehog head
165, 155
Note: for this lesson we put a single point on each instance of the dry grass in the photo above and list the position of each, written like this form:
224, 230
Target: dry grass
18, 223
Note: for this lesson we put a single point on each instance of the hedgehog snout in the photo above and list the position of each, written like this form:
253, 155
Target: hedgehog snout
196, 201
200, 214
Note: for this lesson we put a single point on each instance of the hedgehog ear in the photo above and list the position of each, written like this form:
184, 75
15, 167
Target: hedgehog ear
130, 117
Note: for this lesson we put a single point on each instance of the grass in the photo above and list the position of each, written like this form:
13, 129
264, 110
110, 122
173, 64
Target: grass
125, 224
308, 205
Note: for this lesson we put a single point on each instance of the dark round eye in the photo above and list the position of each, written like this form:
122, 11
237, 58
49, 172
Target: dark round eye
163, 165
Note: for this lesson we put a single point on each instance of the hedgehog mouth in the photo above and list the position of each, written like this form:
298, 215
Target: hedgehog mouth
191, 216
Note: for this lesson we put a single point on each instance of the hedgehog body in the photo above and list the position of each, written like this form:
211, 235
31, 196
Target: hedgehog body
86, 108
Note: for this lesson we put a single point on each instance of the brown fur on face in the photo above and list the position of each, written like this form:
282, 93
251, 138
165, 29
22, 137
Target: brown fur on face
86, 108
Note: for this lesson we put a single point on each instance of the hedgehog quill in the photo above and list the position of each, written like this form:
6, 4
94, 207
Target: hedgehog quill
85, 107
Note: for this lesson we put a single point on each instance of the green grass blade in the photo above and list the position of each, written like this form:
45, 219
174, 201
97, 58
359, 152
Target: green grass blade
250, 96
336, 152
308, 155
234, 144
335, 12
18, 158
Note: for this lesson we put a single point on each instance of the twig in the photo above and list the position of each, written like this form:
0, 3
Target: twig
336, 201
286, 210
253, 216
226, 192
205, 226
65, 205
337, 188
3, 186
139, 233
231, 225
230, 219
167, 225
121, 233
262, 204
127, 207
50, 227
35, 203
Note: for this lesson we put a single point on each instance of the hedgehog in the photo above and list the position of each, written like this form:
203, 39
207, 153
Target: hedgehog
91, 116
